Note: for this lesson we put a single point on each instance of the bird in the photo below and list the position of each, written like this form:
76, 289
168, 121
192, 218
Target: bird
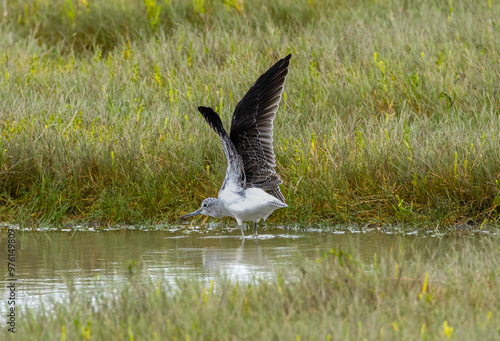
250, 190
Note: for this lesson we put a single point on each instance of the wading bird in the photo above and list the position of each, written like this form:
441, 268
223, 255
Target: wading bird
250, 190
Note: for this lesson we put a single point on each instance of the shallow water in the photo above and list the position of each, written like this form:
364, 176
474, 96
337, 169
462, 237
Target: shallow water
48, 261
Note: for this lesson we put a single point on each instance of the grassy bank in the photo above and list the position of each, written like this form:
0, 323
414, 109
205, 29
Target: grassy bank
391, 109
449, 292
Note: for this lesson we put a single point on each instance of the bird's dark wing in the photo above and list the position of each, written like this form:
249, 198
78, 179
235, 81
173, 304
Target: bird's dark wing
235, 171
252, 128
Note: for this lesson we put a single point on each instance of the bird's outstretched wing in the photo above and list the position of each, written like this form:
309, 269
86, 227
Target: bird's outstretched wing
235, 171
252, 128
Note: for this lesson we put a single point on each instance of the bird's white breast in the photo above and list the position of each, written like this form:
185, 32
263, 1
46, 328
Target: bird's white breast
251, 204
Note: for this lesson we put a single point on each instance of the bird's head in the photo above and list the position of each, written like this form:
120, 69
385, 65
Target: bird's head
209, 207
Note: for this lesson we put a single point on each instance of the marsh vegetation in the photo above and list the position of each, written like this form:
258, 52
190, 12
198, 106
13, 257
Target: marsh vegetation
390, 112
390, 115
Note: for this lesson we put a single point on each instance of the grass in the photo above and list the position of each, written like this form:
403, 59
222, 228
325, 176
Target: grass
425, 293
390, 113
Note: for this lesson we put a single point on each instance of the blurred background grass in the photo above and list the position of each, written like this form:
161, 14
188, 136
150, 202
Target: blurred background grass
390, 113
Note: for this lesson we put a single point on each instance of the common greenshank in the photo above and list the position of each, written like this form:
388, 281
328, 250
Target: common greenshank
250, 190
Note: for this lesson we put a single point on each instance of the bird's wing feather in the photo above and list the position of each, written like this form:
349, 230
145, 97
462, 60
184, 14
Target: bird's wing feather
252, 128
235, 171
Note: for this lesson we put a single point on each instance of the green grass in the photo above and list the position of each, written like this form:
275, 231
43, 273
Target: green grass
450, 292
390, 114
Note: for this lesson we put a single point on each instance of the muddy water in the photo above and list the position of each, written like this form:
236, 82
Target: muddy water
49, 263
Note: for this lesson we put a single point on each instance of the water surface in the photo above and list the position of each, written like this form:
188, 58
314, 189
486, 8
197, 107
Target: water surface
48, 263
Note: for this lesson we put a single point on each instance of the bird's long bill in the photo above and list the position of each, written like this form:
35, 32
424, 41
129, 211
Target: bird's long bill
192, 214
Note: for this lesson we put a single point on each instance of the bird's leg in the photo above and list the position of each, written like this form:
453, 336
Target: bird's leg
241, 229
255, 233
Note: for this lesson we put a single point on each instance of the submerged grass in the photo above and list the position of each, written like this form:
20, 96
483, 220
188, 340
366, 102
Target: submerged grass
390, 112
415, 294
